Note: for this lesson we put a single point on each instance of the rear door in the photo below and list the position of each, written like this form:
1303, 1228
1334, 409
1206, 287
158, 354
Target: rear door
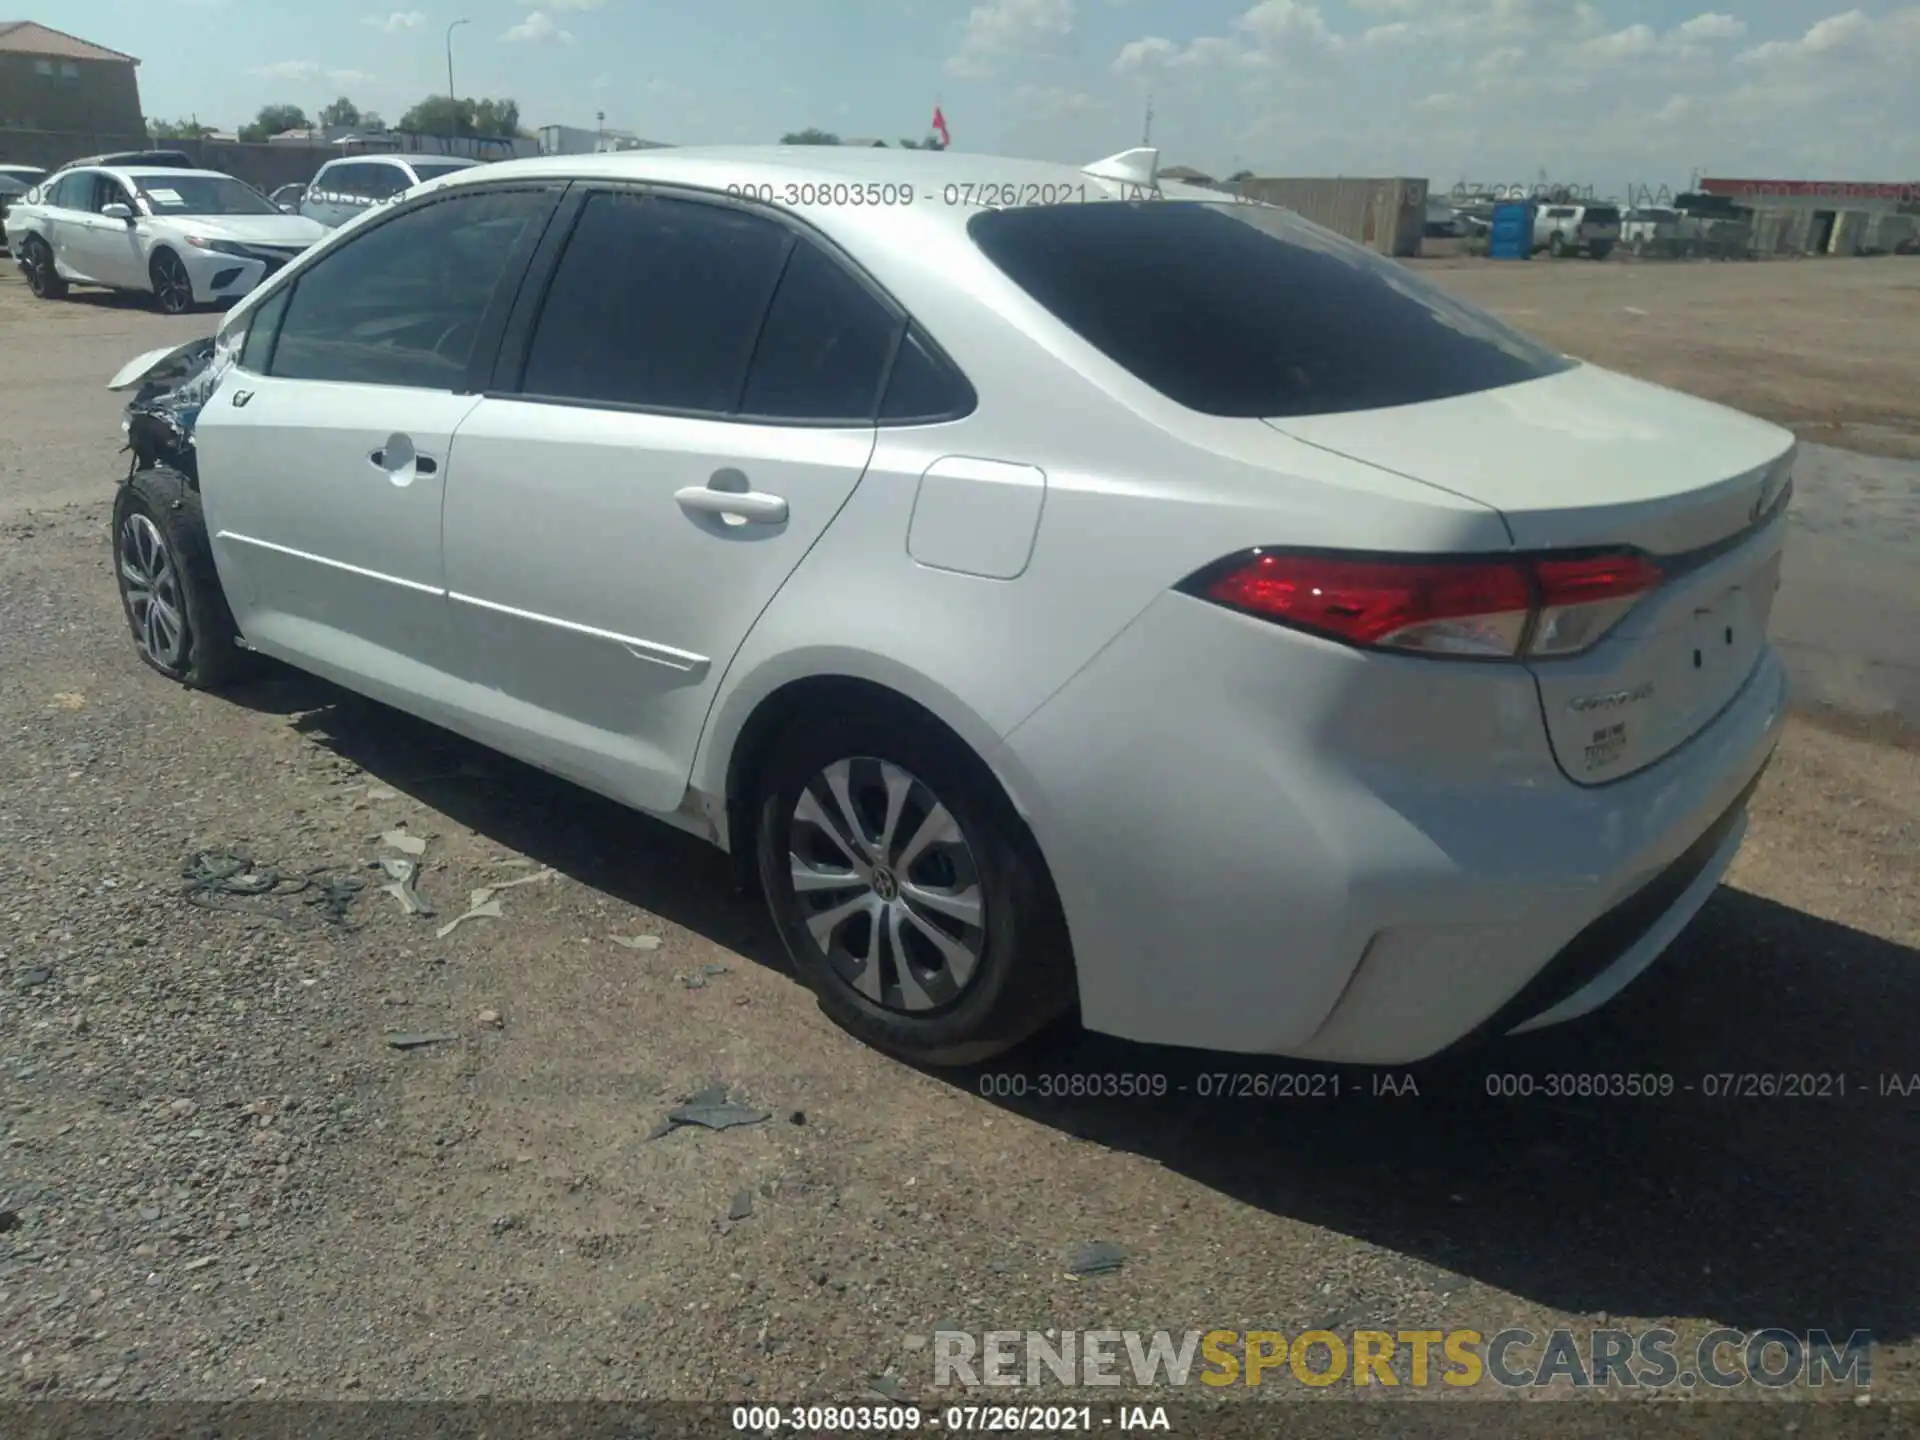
671, 429
325, 452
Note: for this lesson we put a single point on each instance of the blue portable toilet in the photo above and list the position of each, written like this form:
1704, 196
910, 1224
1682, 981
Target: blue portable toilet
1510, 235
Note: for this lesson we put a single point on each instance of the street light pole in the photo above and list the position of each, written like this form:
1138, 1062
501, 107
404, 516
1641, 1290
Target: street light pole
453, 104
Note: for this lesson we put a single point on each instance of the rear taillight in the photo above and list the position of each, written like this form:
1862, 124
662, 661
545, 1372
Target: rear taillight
1471, 607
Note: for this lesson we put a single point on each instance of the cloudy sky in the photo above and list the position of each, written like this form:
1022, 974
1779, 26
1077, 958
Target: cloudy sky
1600, 92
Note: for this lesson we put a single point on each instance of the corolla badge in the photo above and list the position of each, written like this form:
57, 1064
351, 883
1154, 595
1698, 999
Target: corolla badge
1611, 700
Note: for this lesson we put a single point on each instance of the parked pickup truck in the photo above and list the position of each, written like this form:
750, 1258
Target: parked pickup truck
1659, 230
1576, 229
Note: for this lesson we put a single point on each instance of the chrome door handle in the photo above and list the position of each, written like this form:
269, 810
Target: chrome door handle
746, 504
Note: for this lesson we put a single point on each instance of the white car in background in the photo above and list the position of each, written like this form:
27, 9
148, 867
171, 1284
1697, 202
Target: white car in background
185, 237
1140, 597
345, 187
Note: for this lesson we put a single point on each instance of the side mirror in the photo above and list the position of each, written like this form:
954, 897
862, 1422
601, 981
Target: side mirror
117, 211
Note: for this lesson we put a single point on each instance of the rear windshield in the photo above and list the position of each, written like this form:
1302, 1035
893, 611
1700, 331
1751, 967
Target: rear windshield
433, 169
1248, 310
1602, 215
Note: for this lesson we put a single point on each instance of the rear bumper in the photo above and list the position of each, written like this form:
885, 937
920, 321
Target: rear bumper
1265, 843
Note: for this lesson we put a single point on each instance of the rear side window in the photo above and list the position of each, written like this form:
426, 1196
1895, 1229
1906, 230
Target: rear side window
1247, 310
924, 386
656, 302
824, 347
401, 303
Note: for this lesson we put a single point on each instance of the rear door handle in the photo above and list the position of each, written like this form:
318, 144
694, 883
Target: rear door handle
424, 464
748, 505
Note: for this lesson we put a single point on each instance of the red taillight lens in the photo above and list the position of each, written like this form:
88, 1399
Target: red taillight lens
1482, 607
1581, 600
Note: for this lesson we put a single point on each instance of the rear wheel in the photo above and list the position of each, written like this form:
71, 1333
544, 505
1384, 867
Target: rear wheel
169, 590
1557, 246
1602, 249
906, 890
37, 260
172, 288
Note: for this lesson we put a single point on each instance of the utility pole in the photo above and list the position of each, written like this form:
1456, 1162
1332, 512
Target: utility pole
453, 104
1146, 133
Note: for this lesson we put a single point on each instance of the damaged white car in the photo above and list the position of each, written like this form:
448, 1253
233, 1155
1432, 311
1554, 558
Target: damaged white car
1056, 588
185, 237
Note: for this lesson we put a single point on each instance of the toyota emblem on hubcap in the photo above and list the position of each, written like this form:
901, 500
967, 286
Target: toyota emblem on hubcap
884, 885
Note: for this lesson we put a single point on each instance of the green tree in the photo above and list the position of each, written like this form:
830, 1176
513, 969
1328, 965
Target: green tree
809, 136
1237, 176
273, 120
342, 112
931, 142
177, 130
437, 115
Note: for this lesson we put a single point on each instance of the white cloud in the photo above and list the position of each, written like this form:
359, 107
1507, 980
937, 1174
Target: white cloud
1053, 102
564, 4
1714, 26
1852, 35
1273, 32
537, 29
397, 21
350, 78
288, 70
1005, 30
1397, 32
1625, 44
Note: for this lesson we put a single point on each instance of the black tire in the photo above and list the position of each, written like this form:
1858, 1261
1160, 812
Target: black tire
1557, 245
42, 278
172, 289
1639, 247
1602, 250
1023, 977
206, 654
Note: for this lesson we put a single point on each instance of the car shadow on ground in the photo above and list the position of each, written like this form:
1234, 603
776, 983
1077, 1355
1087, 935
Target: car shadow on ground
1719, 1196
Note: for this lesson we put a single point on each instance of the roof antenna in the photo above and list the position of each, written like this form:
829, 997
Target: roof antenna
1139, 166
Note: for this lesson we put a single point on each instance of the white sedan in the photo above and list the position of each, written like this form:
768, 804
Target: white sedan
1054, 587
185, 237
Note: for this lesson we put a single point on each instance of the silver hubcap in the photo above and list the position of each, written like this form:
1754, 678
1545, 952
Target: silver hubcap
153, 592
887, 884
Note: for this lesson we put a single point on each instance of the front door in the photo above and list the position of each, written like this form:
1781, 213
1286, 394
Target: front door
326, 451
693, 405
108, 248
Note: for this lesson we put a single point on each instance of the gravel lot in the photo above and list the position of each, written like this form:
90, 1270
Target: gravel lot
220, 1180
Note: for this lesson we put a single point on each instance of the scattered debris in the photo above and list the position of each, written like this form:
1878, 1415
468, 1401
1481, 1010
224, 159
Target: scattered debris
479, 907
68, 700
35, 975
400, 877
637, 942
491, 1019
403, 842
694, 982
798, 1117
9, 1220
199, 1264
226, 880
710, 1109
1097, 1257
886, 1386
414, 1040
742, 1205
381, 792
711, 970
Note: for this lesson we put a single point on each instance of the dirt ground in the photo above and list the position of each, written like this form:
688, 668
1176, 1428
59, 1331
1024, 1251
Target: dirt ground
220, 1179
1828, 348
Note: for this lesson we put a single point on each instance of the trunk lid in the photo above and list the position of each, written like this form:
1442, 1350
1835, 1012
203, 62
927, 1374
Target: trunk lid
1586, 459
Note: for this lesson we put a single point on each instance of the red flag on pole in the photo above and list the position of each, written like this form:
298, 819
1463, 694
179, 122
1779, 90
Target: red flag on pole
940, 128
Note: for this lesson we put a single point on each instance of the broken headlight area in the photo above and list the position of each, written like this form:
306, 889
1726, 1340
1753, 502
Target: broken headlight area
159, 419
